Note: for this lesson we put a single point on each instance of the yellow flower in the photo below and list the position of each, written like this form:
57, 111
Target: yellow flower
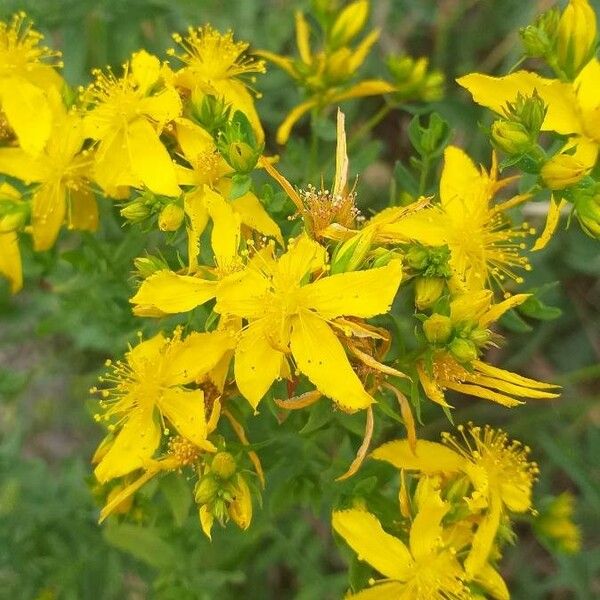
326, 75
209, 170
555, 524
127, 116
214, 64
287, 314
27, 74
62, 171
499, 469
425, 570
561, 171
461, 371
572, 107
484, 247
166, 292
10, 255
152, 381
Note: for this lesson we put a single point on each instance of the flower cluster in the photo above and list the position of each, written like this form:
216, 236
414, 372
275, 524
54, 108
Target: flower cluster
285, 313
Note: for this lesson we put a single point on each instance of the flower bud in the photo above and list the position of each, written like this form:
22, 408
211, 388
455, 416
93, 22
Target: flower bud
438, 329
136, 211
148, 265
587, 210
510, 137
479, 336
242, 157
576, 36
538, 38
171, 217
206, 490
463, 350
561, 171
417, 258
555, 524
348, 23
350, 255
240, 507
223, 465
428, 290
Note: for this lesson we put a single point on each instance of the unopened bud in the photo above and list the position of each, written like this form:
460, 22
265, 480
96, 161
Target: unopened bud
13, 221
480, 336
587, 210
349, 255
437, 329
242, 157
510, 137
576, 37
171, 217
428, 290
136, 211
463, 350
240, 507
417, 258
561, 171
148, 265
223, 465
206, 490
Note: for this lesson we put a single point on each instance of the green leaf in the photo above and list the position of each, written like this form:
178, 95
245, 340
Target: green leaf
536, 309
178, 494
144, 543
513, 322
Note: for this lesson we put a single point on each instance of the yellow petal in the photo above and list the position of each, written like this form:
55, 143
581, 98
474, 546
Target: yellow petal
461, 183
426, 529
283, 62
240, 509
145, 69
171, 293
195, 209
133, 446
284, 130
433, 391
47, 214
304, 256
511, 388
254, 215
552, 221
242, 294
303, 38
497, 310
358, 293
484, 538
362, 50
429, 457
225, 237
194, 141
112, 167
10, 260
492, 582
427, 226
185, 410
150, 160
498, 373
28, 113
161, 107
586, 86
83, 209
18, 163
321, 357
146, 353
125, 493
495, 92
206, 520
192, 358
364, 534
369, 87
341, 158
257, 363
481, 392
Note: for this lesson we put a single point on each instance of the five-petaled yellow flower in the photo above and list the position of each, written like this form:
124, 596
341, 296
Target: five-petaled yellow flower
287, 313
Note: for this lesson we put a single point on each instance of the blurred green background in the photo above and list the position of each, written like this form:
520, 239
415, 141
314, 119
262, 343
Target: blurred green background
74, 313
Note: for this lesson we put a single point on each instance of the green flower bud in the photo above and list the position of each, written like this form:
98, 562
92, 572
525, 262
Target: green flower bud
136, 211
463, 350
510, 137
223, 465
438, 329
171, 217
13, 220
417, 258
210, 112
428, 290
479, 336
148, 265
242, 157
587, 210
350, 255
206, 490
576, 37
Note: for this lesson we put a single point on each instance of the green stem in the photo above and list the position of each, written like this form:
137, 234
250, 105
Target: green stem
314, 145
425, 164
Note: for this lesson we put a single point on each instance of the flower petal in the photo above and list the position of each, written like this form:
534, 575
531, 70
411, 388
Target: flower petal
133, 446
284, 130
172, 293
429, 457
358, 293
10, 260
47, 214
254, 215
363, 533
321, 357
82, 209
552, 221
484, 538
426, 529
